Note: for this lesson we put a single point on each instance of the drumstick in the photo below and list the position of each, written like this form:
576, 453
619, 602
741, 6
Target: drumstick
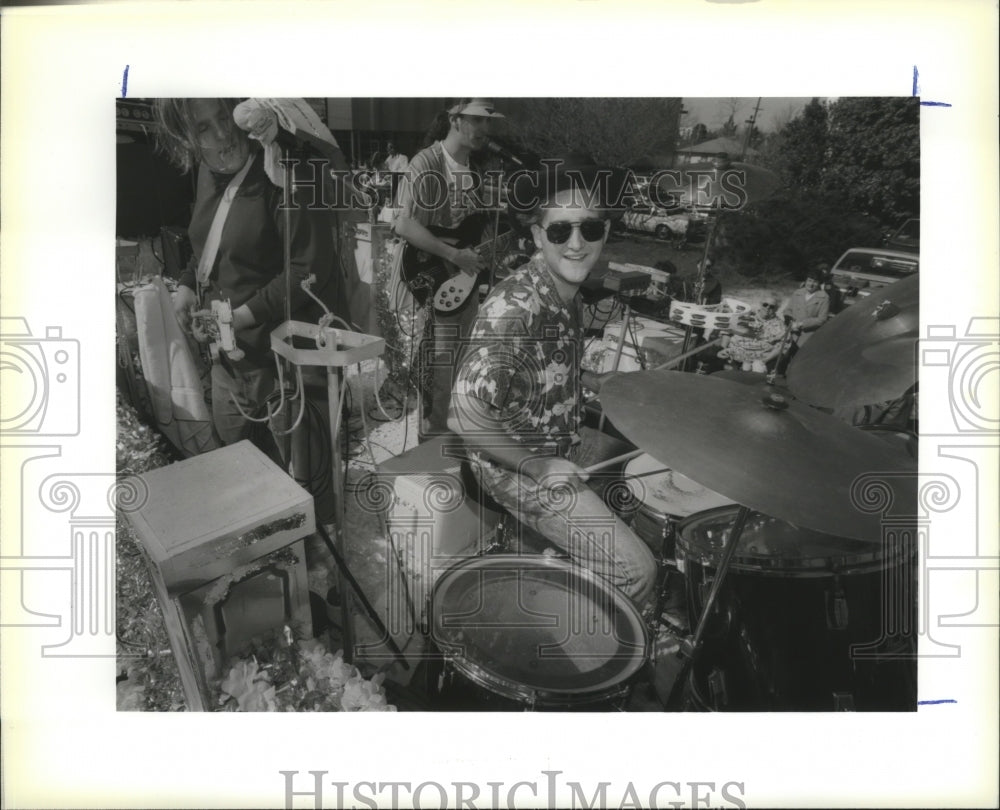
686, 355
648, 473
612, 461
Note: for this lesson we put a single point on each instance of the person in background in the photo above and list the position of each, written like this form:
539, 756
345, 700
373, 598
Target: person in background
396, 162
753, 351
438, 190
247, 268
831, 289
517, 395
809, 308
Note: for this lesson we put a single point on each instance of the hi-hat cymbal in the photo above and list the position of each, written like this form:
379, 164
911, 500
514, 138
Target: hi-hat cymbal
766, 452
864, 355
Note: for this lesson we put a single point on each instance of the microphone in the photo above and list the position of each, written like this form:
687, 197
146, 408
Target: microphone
505, 153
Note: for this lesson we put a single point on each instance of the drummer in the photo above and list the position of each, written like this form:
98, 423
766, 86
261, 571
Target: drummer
516, 399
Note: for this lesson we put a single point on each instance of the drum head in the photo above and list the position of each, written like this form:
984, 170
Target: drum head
537, 628
669, 492
769, 543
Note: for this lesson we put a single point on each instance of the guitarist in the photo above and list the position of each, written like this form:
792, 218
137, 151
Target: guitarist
436, 191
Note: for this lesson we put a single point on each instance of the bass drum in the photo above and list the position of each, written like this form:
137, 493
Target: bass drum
804, 621
532, 633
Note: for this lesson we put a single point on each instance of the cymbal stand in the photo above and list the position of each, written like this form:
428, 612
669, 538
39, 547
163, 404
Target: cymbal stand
626, 317
699, 287
691, 646
773, 374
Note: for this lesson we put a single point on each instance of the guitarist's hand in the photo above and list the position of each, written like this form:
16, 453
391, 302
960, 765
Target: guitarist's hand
468, 261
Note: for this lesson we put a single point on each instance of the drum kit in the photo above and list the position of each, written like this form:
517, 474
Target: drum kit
773, 513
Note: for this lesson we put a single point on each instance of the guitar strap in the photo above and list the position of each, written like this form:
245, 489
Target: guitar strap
211, 249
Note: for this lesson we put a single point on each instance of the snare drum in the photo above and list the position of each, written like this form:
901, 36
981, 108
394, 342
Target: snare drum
533, 632
804, 621
663, 499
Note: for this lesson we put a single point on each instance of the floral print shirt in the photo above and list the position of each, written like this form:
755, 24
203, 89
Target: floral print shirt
766, 333
522, 361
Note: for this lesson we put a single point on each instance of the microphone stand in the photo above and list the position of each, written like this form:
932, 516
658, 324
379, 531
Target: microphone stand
699, 287
496, 226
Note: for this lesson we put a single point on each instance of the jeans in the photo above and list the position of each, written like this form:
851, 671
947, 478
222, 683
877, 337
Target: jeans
249, 388
579, 522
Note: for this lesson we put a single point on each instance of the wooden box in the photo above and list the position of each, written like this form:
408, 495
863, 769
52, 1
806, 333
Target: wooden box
223, 536
208, 514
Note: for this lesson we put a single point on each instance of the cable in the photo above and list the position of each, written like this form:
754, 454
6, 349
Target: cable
635, 344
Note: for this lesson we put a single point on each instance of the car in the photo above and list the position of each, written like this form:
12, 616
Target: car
861, 270
676, 225
907, 238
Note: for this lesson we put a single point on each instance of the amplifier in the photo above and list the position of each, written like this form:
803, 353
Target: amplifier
177, 250
432, 518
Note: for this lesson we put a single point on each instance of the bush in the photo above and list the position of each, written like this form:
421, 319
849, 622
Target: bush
786, 236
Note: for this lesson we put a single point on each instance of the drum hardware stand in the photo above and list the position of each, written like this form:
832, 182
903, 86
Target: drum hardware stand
691, 646
699, 288
773, 374
359, 591
626, 317
681, 358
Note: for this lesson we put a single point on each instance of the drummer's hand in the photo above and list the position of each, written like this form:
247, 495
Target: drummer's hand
553, 471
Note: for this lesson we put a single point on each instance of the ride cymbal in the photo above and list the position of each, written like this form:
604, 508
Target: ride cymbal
764, 451
864, 355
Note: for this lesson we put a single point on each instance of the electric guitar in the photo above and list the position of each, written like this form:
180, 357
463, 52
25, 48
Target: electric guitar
431, 278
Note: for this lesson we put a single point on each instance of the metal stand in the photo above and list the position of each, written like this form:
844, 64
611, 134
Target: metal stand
626, 317
336, 349
699, 289
691, 647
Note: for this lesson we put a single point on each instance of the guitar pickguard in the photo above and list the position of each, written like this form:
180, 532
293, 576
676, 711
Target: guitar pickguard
432, 279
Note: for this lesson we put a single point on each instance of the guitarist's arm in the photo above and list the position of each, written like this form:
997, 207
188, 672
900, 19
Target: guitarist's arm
417, 235
413, 219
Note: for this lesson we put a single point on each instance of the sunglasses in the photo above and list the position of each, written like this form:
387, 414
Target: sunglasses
592, 230
769, 306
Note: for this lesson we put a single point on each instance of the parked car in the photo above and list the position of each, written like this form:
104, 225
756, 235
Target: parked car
861, 270
907, 238
676, 225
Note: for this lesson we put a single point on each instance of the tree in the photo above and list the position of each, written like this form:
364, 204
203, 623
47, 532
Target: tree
873, 155
614, 131
803, 144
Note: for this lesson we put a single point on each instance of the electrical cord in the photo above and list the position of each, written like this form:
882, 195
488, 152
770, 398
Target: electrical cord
635, 344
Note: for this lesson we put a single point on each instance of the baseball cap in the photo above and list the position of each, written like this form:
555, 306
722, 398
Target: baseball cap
477, 106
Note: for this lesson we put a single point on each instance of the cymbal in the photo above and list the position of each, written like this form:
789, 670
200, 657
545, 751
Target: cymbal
756, 379
725, 185
866, 354
777, 456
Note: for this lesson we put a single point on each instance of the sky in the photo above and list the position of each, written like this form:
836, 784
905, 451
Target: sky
713, 112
